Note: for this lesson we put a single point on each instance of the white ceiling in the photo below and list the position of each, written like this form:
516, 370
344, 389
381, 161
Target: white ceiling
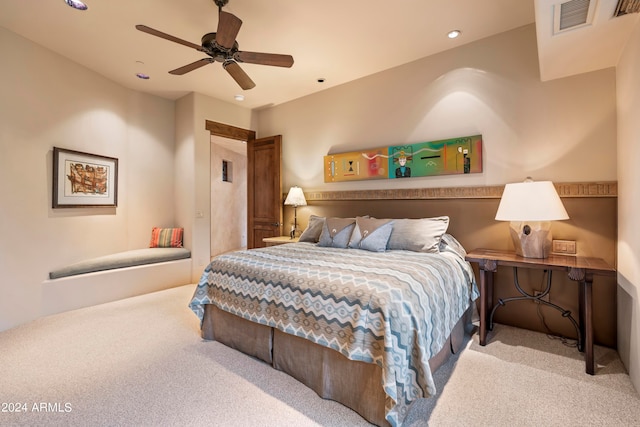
338, 40
592, 47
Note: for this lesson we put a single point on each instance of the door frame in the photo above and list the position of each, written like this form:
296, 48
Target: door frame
231, 132
228, 131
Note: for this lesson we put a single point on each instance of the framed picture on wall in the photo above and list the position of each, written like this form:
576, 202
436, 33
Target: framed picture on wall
84, 180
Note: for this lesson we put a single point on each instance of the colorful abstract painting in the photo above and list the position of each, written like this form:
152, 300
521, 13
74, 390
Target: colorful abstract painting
356, 165
445, 157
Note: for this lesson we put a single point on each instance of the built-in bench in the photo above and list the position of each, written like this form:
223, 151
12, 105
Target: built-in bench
122, 260
113, 277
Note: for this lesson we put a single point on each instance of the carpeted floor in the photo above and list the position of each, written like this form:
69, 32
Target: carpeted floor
141, 362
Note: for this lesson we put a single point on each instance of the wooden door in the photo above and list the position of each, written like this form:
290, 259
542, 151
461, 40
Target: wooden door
264, 190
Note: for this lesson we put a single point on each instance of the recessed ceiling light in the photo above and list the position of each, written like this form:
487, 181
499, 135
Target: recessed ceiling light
239, 97
453, 34
142, 76
76, 4
321, 80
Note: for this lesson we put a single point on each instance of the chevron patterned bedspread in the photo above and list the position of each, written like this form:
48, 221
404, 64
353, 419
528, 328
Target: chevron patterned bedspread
394, 308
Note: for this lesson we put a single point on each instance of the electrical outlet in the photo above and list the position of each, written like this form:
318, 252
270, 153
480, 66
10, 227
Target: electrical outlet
565, 247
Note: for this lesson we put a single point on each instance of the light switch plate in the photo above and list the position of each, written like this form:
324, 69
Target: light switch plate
565, 247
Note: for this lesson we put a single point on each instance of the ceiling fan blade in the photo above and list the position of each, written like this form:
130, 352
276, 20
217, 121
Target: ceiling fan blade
273, 59
228, 28
239, 75
169, 37
190, 67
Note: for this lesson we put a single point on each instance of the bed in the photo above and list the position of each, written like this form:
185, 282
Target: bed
364, 325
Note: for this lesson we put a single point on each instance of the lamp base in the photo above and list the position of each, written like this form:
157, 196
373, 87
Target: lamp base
294, 229
531, 239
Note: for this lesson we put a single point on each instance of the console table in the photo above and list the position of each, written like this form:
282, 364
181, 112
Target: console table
579, 269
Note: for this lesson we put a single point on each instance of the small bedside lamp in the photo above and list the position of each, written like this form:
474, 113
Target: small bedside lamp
531, 206
295, 198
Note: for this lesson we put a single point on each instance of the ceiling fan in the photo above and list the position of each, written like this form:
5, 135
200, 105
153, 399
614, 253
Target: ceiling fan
222, 46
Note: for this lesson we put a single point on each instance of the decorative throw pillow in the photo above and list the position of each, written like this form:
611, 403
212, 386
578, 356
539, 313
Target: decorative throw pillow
371, 234
166, 237
418, 235
336, 232
313, 230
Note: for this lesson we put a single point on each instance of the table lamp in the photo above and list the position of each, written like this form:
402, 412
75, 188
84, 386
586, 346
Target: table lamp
295, 198
530, 206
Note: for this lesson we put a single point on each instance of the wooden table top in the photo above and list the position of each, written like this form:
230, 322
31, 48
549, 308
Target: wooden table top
509, 258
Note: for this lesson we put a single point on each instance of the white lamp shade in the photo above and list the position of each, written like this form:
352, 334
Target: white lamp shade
295, 197
531, 201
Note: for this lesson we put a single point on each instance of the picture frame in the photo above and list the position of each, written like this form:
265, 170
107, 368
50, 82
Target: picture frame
82, 180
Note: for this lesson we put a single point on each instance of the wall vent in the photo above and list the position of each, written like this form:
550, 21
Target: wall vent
627, 6
573, 14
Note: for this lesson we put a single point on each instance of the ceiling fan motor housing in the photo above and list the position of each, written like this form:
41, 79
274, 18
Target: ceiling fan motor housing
216, 51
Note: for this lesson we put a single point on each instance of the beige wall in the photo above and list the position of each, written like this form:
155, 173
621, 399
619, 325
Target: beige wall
563, 130
228, 199
628, 72
164, 170
193, 169
49, 101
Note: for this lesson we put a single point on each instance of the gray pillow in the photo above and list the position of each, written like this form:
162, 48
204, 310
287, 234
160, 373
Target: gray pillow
336, 232
371, 234
448, 243
418, 235
312, 232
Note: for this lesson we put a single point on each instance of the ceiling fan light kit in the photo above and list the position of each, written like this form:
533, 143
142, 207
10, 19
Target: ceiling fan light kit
222, 46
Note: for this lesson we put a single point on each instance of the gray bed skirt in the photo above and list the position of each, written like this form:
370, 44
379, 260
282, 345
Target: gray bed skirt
357, 385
